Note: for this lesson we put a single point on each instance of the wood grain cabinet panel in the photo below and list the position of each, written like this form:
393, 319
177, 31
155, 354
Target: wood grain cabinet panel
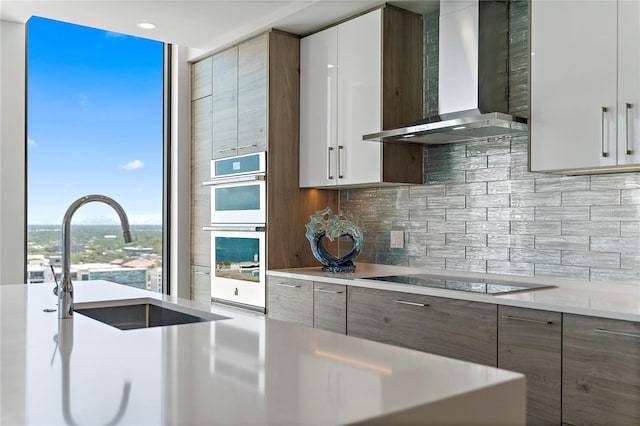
530, 342
201, 79
454, 328
601, 371
463, 330
240, 96
225, 103
200, 171
252, 94
290, 300
201, 284
330, 307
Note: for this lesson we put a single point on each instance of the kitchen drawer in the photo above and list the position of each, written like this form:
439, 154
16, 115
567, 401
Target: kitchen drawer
601, 371
530, 342
290, 299
449, 327
330, 307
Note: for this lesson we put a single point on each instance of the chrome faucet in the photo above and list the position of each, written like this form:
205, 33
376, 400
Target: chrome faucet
64, 290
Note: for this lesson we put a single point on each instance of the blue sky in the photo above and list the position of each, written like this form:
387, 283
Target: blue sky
94, 123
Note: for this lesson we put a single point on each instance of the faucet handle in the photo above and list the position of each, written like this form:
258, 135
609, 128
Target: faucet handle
55, 289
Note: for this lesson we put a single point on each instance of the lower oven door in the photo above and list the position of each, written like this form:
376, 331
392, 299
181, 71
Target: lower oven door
238, 265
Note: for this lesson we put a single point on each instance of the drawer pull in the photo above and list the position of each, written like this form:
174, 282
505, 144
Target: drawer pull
253, 145
321, 290
404, 302
287, 285
511, 317
617, 333
226, 149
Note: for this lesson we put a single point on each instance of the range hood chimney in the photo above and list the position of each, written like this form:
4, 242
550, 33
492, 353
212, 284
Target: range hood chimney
473, 83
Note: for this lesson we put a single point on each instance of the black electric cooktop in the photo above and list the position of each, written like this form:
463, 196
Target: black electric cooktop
460, 284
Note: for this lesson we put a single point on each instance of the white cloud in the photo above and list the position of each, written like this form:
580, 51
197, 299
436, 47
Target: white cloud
132, 165
31, 143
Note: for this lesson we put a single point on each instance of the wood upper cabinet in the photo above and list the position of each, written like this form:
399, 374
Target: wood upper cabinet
359, 77
585, 91
330, 307
225, 104
201, 79
449, 327
601, 371
239, 88
290, 300
530, 342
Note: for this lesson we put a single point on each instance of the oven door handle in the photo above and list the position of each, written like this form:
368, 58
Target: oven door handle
234, 179
236, 227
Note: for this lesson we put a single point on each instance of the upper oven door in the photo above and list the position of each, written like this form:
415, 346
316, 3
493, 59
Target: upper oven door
226, 169
239, 202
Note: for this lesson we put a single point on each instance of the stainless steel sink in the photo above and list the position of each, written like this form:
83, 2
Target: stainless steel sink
144, 314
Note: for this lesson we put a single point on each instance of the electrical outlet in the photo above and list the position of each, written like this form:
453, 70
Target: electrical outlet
397, 239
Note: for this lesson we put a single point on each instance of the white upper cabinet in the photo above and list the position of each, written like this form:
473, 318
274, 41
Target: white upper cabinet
318, 107
629, 82
583, 75
342, 99
358, 106
340, 102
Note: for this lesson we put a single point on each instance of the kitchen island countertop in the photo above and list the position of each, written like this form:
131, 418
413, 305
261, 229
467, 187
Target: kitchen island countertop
243, 370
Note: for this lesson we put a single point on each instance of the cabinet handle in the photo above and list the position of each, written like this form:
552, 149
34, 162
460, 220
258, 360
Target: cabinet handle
201, 273
287, 285
604, 148
340, 150
617, 333
248, 146
404, 302
626, 128
329, 163
321, 290
226, 150
511, 317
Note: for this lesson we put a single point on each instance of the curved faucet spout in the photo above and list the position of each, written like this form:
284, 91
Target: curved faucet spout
65, 289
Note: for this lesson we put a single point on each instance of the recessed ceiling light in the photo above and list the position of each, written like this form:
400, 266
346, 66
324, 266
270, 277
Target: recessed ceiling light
146, 25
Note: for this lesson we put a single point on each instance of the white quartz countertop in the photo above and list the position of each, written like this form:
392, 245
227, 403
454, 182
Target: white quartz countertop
244, 370
607, 300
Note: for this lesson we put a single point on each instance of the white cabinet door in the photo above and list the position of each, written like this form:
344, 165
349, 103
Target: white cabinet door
318, 114
628, 82
573, 77
359, 98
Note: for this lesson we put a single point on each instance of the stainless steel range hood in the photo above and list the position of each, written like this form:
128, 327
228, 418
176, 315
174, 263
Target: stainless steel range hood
473, 80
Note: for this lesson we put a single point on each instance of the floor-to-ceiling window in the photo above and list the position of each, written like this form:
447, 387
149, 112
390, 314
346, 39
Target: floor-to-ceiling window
94, 126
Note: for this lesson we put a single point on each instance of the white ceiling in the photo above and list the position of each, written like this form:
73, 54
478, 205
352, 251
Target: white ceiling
202, 25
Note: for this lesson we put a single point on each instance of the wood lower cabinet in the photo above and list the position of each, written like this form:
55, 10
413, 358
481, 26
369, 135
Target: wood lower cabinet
601, 371
330, 307
290, 300
449, 327
201, 284
530, 342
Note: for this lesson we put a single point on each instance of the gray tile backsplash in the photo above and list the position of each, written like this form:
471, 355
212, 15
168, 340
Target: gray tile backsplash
481, 210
